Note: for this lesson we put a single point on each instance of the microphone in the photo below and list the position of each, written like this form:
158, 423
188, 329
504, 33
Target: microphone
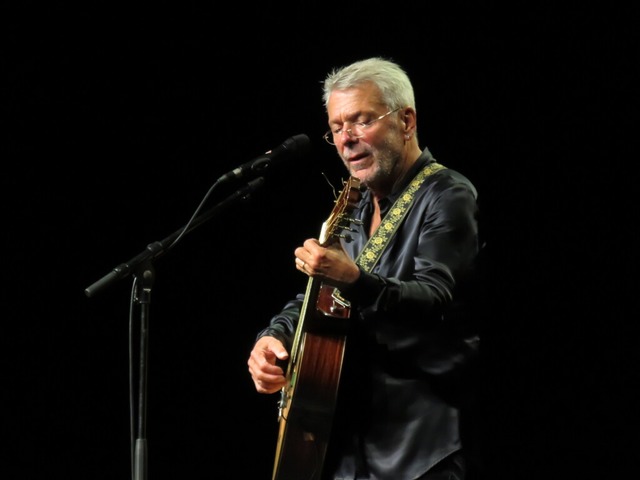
292, 147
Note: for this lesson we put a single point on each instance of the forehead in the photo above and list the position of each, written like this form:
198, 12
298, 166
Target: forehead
362, 98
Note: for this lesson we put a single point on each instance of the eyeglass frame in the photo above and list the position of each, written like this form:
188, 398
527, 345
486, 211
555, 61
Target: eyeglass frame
364, 125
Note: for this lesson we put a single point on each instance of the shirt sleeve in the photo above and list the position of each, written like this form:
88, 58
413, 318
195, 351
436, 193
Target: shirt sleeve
430, 256
282, 326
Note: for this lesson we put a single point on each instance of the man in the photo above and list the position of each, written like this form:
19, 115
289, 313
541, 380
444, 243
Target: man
411, 341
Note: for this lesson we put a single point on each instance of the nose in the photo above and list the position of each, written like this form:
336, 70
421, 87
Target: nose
349, 134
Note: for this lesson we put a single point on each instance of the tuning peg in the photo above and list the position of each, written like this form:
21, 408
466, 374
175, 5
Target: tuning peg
347, 238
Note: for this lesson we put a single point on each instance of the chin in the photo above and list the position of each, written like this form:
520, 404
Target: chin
360, 175
366, 175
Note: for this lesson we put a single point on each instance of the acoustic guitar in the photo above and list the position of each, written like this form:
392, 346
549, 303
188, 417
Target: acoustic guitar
307, 402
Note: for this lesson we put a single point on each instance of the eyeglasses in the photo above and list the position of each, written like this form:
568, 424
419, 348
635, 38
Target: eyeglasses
357, 129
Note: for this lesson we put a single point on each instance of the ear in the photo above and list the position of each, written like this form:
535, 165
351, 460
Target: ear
408, 117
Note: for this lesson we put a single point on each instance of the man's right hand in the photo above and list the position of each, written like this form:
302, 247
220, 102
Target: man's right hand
267, 376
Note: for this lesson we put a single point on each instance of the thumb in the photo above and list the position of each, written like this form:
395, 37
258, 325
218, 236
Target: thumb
281, 353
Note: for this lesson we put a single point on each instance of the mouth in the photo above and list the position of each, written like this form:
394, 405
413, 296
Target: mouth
356, 161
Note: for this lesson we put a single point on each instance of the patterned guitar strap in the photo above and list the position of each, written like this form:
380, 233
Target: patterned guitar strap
371, 252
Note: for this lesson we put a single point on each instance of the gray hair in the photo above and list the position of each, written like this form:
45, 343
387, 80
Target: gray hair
389, 77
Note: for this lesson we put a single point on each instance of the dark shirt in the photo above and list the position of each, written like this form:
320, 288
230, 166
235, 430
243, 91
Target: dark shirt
411, 338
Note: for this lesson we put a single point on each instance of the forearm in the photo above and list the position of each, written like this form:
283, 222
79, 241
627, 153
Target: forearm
373, 294
282, 326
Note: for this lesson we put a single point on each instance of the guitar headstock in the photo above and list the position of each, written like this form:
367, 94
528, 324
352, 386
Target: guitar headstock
338, 219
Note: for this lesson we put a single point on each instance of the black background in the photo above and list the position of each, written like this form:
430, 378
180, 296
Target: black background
117, 121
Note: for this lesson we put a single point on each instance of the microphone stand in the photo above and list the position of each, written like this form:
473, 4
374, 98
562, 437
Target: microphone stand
144, 276
156, 249
146, 272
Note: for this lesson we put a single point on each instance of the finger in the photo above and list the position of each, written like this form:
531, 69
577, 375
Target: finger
302, 266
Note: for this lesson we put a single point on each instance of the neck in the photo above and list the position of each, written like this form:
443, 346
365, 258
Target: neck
400, 170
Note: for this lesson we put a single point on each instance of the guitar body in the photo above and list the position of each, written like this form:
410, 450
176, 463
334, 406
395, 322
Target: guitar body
308, 400
306, 424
